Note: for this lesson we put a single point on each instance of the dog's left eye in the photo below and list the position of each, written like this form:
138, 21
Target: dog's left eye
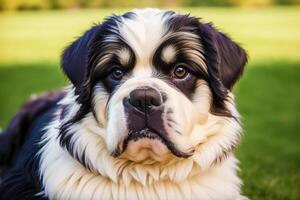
117, 73
180, 72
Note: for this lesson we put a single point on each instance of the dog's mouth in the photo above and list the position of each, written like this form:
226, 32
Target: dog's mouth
144, 133
150, 134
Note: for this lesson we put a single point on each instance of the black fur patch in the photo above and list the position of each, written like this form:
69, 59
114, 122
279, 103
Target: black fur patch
225, 60
14, 137
19, 151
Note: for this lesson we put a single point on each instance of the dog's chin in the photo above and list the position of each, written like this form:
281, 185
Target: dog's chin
146, 149
145, 145
148, 145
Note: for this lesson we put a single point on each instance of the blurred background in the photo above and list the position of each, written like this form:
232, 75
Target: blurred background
33, 34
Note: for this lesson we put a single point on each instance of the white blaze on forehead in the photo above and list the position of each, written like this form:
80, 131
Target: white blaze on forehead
143, 32
168, 54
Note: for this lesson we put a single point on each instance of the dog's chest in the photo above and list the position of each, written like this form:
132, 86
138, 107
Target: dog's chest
66, 178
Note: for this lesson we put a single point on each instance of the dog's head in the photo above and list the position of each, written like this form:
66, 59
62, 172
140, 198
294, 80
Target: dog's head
158, 84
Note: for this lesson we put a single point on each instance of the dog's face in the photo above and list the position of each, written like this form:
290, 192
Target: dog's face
157, 82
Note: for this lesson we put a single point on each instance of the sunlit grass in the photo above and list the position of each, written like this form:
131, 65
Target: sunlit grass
268, 98
268, 95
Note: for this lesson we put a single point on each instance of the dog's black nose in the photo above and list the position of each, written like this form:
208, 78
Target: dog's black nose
145, 98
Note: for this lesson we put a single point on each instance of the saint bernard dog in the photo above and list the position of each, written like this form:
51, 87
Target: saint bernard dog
149, 114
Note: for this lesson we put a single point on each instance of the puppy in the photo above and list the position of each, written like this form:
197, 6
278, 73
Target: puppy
149, 115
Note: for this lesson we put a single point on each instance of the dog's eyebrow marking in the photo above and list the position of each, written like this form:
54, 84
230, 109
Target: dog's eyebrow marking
143, 33
124, 56
168, 54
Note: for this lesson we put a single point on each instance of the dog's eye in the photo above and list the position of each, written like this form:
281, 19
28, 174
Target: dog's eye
180, 72
117, 73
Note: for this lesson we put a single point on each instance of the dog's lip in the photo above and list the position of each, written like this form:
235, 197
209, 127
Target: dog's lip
151, 134
144, 133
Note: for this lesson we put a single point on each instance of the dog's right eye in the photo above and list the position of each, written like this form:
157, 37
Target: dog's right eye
113, 78
117, 73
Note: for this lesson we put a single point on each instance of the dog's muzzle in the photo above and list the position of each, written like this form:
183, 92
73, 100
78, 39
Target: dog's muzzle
144, 108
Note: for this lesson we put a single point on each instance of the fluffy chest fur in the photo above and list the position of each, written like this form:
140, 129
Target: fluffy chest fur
105, 177
65, 178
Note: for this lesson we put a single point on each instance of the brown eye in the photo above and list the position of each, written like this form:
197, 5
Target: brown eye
117, 73
180, 72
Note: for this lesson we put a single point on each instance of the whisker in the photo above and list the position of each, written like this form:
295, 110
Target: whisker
171, 120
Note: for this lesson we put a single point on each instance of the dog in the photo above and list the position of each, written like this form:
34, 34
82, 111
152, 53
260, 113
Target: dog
149, 114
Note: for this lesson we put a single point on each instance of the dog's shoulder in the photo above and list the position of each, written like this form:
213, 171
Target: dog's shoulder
18, 130
19, 184
19, 146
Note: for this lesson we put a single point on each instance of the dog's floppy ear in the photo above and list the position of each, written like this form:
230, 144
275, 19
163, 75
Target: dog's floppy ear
75, 58
231, 58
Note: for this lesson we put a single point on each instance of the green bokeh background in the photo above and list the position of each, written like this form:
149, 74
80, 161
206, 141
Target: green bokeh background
268, 95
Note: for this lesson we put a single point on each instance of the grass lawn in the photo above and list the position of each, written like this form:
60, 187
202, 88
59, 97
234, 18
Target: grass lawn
268, 96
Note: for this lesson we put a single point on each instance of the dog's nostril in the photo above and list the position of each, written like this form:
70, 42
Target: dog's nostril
145, 98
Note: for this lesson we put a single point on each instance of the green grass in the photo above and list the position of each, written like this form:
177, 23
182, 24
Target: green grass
268, 95
269, 100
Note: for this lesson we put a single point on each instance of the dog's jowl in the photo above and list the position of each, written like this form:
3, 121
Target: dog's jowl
149, 114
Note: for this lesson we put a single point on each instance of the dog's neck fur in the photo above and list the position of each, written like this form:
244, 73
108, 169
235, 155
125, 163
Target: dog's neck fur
198, 177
